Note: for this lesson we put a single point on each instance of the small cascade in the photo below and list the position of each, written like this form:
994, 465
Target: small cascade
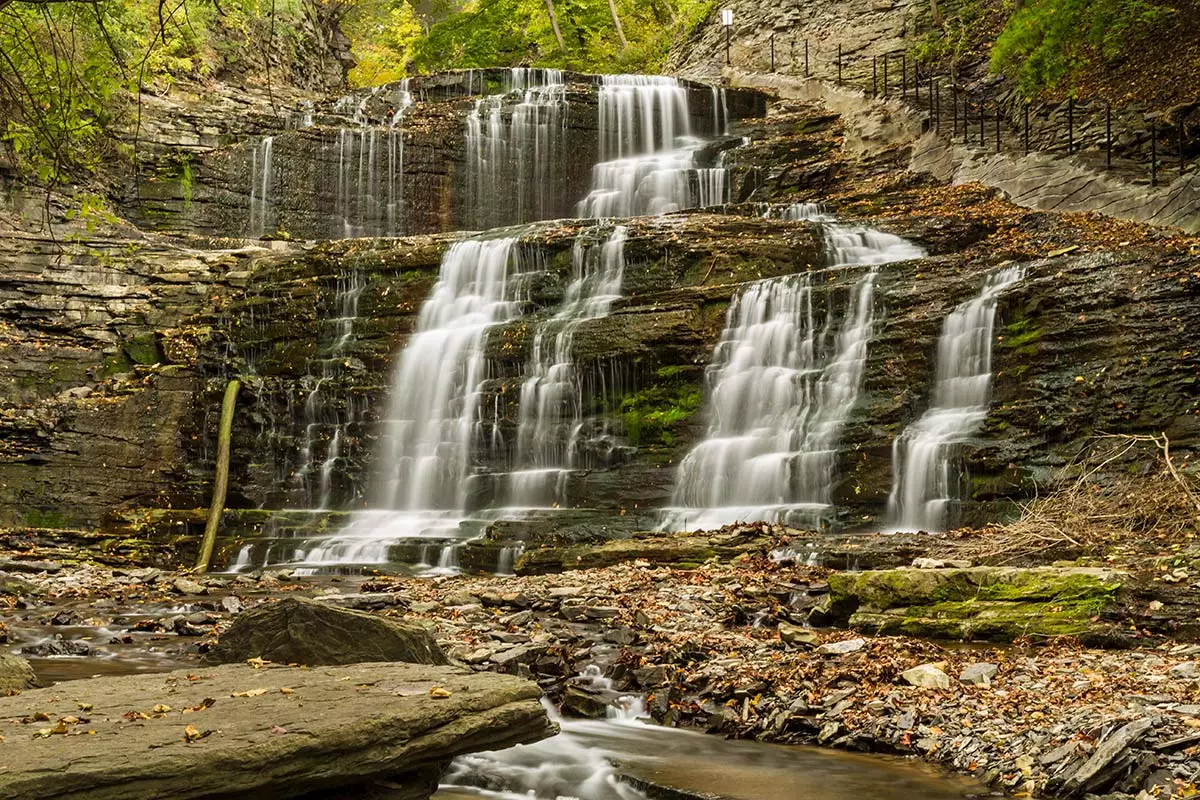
648, 152
261, 179
432, 421
783, 382
517, 151
550, 414
370, 172
325, 422
926, 478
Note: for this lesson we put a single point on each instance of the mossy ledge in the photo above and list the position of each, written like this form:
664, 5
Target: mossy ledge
992, 603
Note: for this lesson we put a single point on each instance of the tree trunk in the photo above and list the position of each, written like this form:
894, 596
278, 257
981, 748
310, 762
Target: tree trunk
554, 24
221, 484
937, 14
612, 7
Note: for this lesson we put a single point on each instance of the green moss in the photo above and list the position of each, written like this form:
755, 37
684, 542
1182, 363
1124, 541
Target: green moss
143, 349
46, 519
652, 414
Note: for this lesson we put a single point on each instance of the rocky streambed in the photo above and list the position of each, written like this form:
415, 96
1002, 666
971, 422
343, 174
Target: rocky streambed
753, 647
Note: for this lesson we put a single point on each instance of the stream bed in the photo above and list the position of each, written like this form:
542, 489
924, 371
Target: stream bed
626, 757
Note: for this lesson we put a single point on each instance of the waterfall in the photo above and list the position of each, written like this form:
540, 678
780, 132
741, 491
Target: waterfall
369, 197
516, 169
784, 379
431, 423
550, 414
925, 475
648, 152
261, 175
322, 418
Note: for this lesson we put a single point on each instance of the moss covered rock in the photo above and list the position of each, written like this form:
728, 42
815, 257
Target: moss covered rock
995, 603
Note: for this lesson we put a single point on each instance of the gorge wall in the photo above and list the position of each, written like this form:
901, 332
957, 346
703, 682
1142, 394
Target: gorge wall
117, 346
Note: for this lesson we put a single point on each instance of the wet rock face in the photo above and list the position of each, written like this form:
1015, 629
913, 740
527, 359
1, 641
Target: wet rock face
117, 411
377, 174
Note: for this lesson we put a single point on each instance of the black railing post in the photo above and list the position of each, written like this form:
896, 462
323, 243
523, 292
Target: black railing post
903, 76
982, 123
1108, 135
1026, 127
772, 52
916, 83
937, 106
806, 58
886, 58
874, 76
1154, 152
1070, 125
997, 126
839, 65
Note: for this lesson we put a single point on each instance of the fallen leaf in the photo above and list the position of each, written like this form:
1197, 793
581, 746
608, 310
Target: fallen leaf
257, 662
85, 706
277, 729
250, 693
205, 703
286, 690
191, 734
160, 708
439, 692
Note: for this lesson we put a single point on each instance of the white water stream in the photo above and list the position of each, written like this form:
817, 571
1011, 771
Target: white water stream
784, 379
926, 477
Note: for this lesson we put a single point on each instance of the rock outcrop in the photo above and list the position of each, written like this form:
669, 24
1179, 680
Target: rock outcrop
16, 674
238, 731
312, 633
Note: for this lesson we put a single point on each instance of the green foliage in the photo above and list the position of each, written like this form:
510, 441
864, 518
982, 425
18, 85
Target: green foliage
70, 71
487, 33
1046, 41
953, 41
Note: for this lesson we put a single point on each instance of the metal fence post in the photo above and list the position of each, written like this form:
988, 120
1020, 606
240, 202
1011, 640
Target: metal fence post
874, 76
916, 83
937, 106
772, 52
982, 122
1027, 127
886, 58
839, 63
997, 126
806, 58
1070, 125
903, 76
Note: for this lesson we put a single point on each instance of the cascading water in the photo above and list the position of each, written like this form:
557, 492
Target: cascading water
925, 477
431, 423
420, 501
516, 169
324, 422
550, 414
261, 175
784, 379
370, 171
649, 154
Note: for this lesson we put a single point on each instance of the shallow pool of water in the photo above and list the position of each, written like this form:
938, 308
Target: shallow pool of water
592, 760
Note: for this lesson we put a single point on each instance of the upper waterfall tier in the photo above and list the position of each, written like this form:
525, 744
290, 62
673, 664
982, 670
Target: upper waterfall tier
467, 150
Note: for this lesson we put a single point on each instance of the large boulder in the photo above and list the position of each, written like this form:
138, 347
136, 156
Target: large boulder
279, 732
296, 631
16, 674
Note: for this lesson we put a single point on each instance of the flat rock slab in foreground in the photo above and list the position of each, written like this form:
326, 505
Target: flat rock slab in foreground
237, 731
